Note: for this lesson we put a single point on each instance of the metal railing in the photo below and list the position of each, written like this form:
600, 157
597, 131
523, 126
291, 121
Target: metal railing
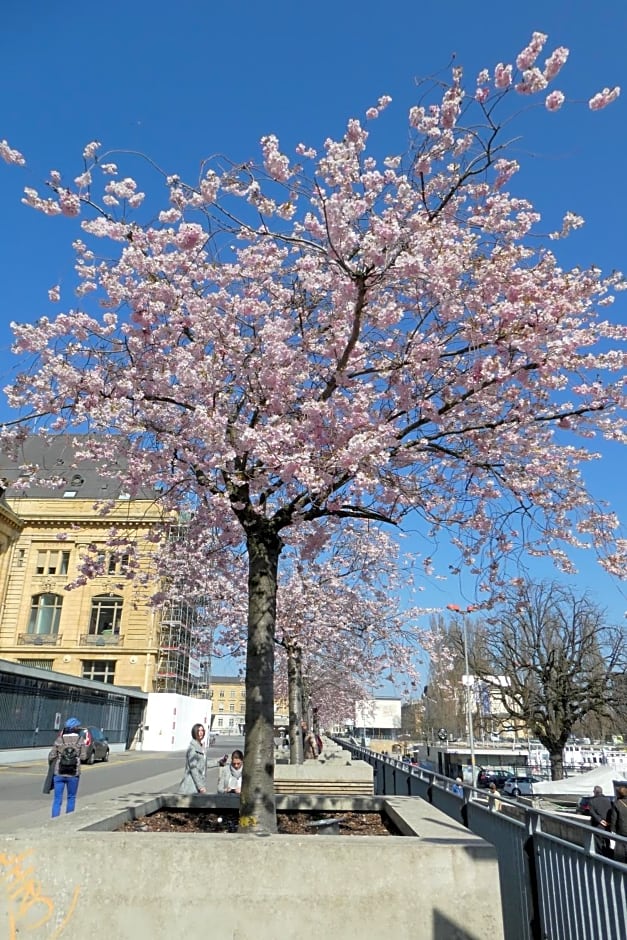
554, 884
100, 639
39, 639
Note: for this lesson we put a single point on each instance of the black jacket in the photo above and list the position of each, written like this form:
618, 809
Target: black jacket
599, 808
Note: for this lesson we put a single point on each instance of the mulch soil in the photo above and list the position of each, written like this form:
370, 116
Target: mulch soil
351, 824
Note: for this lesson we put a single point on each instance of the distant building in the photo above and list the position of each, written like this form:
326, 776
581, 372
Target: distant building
228, 701
378, 717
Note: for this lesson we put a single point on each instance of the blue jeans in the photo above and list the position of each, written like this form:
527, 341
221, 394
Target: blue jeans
60, 783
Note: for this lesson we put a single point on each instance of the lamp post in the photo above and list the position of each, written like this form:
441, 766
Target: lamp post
467, 682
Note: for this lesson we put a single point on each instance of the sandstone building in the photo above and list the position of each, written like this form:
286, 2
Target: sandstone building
105, 629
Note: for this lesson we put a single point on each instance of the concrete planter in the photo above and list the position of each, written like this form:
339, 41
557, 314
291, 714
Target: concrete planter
76, 873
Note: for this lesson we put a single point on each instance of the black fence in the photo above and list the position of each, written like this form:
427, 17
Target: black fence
554, 884
33, 707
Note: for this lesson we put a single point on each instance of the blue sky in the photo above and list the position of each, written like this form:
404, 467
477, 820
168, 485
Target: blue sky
181, 81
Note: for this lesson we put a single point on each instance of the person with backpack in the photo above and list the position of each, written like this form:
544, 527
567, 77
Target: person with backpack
65, 756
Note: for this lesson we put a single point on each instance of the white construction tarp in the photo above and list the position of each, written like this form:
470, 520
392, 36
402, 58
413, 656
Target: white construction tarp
583, 784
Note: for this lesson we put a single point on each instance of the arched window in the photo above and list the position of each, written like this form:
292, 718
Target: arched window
106, 613
45, 613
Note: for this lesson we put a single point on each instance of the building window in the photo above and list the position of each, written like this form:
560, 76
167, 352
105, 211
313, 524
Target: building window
221, 707
99, 670
117, 564
39, 663
221, 693
19, 557
220, 722
232, 707
53, 562
45, 613
232, 693
106, 613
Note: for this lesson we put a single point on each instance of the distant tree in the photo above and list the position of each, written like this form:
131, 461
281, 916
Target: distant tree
560, 659
442, 699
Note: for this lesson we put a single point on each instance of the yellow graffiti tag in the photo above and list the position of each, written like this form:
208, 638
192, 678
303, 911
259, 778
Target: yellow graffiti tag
28, 908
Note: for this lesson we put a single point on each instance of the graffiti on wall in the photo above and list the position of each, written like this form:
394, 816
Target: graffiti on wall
25, 909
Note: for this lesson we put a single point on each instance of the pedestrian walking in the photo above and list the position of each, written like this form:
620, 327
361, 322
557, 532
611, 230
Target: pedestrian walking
600, 806
493, 798
65, 758
195, 764
617, 823
310, 744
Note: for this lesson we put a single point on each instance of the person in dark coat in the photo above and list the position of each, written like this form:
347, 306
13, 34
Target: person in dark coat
617, 822
600, 806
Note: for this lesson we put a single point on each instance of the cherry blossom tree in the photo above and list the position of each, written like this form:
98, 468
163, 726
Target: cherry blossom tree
338, 336
342, 624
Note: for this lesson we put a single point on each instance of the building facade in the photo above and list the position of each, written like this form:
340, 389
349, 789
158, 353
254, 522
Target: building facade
228, 704
104, 628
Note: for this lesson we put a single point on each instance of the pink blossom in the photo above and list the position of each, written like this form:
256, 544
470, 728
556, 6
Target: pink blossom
9, 155
502, 75
532, 81
91, 150
276, 164
554, 101
603, 98
556, 61
526, 59
69, 202
54, 294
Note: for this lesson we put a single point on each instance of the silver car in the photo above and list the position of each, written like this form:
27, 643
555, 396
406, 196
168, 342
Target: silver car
520, 786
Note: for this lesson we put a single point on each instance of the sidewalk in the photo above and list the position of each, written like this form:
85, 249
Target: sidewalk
162, 783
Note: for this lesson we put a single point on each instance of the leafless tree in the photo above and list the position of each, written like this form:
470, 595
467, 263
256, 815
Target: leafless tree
561, 660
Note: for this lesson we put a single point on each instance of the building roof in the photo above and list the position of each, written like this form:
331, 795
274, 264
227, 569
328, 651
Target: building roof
55, 458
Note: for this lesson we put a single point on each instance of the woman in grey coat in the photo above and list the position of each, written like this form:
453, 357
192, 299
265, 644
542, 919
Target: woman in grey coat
195, 763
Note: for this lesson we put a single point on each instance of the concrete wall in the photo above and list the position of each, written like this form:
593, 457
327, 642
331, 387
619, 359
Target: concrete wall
155, 886
75, 874
169, 720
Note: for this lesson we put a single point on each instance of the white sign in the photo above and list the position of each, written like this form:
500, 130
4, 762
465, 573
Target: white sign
194, 667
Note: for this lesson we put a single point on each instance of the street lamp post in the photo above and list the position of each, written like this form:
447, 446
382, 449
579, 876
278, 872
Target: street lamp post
467, 682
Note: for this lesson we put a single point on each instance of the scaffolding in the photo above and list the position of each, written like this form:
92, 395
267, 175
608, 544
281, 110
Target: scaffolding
176, 634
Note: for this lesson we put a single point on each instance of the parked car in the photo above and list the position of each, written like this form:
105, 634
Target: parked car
487, 776
97, 745
520, 786
583, 806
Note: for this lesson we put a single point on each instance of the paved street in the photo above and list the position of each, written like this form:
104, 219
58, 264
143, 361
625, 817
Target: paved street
23, 804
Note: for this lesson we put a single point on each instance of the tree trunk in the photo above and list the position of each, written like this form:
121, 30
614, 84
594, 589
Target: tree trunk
294, 692
556, 758
257, 803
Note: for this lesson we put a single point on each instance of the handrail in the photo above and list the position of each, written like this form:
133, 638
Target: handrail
550, 868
